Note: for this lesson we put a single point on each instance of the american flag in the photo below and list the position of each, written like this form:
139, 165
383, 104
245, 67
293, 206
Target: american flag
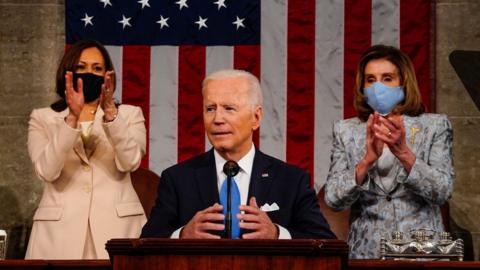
304, 52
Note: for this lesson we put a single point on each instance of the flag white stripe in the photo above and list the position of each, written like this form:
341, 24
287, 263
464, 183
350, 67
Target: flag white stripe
163, 107
386, 22
273, 77
116, 54
328, 81
217, 58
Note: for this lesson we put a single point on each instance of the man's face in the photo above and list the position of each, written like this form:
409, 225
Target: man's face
229, 117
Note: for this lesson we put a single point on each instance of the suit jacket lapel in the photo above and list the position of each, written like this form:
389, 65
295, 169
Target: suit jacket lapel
80, 150
206, 178
261, 178
97, 130
414, 133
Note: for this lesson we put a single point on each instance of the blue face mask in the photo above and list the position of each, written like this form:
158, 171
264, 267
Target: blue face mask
382, 98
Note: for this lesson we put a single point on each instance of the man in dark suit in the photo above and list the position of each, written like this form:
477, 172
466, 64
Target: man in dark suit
276, 198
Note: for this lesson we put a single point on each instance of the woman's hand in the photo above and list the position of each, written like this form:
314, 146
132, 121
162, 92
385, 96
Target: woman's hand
74, 99
374, 149
374, 145
106, 98
393, 135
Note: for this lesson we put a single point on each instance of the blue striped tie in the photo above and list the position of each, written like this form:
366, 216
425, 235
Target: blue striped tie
235, 204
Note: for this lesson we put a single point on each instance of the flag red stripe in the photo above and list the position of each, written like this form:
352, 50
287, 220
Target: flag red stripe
247, 57
415, 41
357, 39
136, 84
301, 84
191, 72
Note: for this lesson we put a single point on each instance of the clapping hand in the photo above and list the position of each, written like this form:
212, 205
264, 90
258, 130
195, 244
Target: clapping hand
392, 132
374, 144
106, 98
74, 99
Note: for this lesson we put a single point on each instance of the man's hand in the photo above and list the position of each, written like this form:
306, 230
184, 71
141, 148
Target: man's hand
256, 221
204, 221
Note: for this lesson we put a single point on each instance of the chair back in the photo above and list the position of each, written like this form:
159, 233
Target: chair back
145, 183
339, 221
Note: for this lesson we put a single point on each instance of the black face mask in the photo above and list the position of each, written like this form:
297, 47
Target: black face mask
92, 85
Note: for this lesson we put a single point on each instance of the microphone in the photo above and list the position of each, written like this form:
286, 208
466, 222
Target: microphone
231, 169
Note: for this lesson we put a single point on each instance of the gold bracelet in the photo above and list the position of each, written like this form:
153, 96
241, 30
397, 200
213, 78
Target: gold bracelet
114, 109
111, 120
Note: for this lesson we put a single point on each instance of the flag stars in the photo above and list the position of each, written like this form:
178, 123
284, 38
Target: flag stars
239, 22
125, 21
181, 4
106, 3
144, 3
220, 4
163, 22
201, 22
87, 20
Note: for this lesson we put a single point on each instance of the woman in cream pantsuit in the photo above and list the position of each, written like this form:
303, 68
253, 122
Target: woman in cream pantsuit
83, 148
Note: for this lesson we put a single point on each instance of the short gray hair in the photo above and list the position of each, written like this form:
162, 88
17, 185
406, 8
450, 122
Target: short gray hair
256, 97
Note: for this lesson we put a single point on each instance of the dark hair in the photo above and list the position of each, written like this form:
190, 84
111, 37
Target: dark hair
412, 104
69, 63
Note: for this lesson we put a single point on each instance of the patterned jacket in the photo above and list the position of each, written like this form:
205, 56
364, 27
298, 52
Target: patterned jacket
413, 202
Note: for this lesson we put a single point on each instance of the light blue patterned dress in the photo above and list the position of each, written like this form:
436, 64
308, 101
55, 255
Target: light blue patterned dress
413, 200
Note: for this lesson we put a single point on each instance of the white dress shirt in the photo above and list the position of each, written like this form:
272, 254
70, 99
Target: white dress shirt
243, 182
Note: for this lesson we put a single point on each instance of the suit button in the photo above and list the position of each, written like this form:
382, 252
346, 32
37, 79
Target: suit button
389, 198
86, 168
87, 188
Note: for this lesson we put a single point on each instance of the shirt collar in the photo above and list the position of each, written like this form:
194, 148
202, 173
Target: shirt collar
245, 163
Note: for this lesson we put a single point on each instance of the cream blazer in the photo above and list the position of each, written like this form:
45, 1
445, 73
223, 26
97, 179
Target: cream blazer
80, 190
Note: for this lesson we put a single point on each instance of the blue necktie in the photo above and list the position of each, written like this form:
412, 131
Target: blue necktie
235, 204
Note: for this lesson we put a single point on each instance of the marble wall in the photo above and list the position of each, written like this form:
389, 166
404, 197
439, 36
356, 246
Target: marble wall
31, 41
458, 28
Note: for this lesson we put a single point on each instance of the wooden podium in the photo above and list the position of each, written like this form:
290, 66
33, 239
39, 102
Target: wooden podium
180, 254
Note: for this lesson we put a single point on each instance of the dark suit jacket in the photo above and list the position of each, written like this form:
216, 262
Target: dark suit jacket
191, 186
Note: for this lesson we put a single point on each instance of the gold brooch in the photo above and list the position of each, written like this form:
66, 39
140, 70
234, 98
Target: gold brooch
413, 132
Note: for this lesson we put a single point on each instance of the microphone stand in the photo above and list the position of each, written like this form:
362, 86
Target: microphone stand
228, 221
230, 168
